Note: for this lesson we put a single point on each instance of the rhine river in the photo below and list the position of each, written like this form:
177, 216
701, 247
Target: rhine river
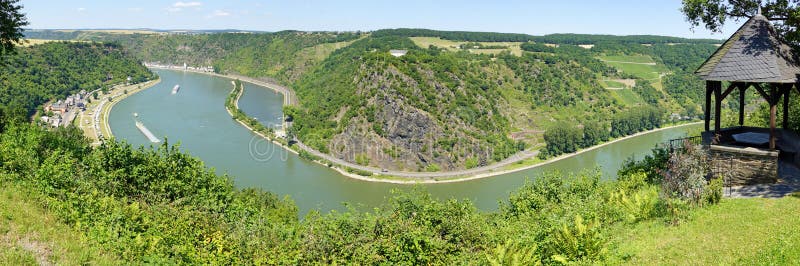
196, 118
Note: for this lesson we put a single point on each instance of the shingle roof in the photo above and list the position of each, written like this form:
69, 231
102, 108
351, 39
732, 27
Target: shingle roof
754, 53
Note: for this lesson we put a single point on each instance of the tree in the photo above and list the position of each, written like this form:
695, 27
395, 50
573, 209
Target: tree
11, 23
713, 14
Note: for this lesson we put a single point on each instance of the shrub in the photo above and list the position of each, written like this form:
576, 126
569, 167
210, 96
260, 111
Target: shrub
714, 190
513, 253
653, 165
636, 205
685, 175
358, 171
581, 242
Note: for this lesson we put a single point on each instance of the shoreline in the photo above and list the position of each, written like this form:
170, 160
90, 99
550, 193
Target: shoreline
106, 106
412, 177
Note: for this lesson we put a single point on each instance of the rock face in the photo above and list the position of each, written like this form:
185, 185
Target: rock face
399, 136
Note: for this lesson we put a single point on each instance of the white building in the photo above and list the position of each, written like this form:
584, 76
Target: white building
398, 53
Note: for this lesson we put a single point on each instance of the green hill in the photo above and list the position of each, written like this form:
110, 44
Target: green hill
42, 72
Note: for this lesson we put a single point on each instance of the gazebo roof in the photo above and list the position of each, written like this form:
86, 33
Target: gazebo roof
754, 53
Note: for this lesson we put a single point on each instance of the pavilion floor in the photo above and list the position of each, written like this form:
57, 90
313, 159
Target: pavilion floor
788, 182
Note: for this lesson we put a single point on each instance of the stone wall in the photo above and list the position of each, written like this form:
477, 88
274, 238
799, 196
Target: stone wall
744, 166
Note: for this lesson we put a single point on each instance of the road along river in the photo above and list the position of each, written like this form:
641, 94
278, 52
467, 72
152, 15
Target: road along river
196, 118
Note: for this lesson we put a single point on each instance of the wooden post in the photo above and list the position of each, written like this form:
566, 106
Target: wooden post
709, 89
717, 106
773, 103
787, 90
742, 90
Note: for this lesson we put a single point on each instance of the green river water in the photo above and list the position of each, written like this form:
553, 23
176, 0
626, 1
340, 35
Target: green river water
196, 118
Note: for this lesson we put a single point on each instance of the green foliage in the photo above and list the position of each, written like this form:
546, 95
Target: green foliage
513, 253
471, 162
576, 39
563, 138
636, 120
362, 159
649, 94
636, 205
163, 206
358, 171
652, 165
52, 70
713, 192
11, 31
432, 167
594, 133
684, 177
581, 242
455, 35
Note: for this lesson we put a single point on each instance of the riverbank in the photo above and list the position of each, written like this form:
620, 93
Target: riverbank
503, 172
94, 121
509, 165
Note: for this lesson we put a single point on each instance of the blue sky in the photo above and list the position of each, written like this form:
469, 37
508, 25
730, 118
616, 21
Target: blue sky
621, 17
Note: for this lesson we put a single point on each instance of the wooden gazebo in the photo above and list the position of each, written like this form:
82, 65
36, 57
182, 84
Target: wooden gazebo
754, 57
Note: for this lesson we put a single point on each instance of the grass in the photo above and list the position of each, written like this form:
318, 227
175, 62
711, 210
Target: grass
627, 97
651, 72
628, 58
737, 231
31, 236
32, 42
117, 31
638, 65
613, 84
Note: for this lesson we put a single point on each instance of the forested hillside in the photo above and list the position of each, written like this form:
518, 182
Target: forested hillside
283, 55
465, 102
37, 74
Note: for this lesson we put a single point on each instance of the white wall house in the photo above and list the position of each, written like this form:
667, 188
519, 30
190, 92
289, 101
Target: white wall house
398, 53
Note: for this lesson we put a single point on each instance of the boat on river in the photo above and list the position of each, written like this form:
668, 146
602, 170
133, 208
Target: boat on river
176, 88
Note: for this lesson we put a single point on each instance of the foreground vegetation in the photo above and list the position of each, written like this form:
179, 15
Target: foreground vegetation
163, 206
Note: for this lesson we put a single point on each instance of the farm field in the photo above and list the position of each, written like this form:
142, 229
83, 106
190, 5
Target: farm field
627, 97
643, 59
31, 42
640, 66
116, 31
425, 42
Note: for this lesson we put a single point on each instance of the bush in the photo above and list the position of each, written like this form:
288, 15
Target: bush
653, 165
513, 253
685, 175
581, 242
358, 171
714, 190
636, 205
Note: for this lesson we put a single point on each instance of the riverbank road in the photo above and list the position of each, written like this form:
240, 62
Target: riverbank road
94, 120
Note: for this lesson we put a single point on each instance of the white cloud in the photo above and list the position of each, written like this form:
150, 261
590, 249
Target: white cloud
181, 4
81, 9
219, 13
